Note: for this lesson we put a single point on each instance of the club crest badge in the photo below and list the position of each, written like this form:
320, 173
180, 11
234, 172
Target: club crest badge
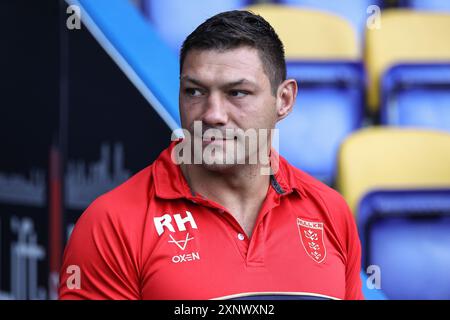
312, 237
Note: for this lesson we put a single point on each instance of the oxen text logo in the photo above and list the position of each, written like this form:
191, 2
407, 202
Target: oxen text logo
177, 224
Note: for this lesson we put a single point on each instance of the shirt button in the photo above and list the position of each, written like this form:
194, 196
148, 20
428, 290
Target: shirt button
241, 236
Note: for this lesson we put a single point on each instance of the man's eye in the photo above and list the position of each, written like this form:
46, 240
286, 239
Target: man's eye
193, 92
238, 93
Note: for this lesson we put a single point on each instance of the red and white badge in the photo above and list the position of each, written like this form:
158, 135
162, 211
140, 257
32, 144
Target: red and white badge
312, 236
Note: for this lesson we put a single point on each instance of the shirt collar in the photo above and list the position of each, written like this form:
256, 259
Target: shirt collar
170, 182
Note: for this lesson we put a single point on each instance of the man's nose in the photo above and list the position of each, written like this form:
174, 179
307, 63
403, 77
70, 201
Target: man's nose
215, 111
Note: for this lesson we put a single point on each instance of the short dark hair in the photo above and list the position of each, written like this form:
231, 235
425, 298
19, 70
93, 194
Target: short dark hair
232, 29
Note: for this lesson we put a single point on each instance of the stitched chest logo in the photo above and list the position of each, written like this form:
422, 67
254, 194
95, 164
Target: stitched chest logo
178, 234
181, 243
312, 237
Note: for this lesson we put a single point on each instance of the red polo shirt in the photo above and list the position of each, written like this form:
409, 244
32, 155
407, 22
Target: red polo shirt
151, 238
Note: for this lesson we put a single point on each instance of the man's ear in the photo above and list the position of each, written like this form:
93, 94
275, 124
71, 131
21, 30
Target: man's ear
286, 95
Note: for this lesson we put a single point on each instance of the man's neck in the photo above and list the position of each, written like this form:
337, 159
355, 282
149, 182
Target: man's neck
240, 189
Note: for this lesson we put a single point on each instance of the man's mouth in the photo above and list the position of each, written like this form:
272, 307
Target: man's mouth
208, 140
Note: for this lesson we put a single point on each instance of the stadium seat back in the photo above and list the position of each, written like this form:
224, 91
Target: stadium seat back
405, 36
380, 158
406, 234
311, 34
417, 95
356, 12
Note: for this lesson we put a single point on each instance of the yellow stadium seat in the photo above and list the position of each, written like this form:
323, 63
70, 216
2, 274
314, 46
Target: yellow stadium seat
392, 158
404, 36
311, 34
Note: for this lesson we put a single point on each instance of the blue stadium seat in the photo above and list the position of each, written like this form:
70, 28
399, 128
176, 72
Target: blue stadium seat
407, 234
176, 19
328, 108
435, 5
370, 293
354, 11
417, 95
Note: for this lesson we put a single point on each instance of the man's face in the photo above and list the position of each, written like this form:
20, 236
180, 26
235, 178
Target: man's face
225, 90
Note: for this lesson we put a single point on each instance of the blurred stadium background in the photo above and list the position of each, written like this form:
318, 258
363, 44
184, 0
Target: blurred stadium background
84, 109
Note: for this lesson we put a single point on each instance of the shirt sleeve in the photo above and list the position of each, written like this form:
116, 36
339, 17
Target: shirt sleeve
98, 261
353, 288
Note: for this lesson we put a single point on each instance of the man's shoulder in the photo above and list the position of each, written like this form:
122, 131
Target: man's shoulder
128, 200
132, 191
313, 187
131, 199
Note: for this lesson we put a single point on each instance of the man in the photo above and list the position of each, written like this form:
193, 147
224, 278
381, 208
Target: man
197, 225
